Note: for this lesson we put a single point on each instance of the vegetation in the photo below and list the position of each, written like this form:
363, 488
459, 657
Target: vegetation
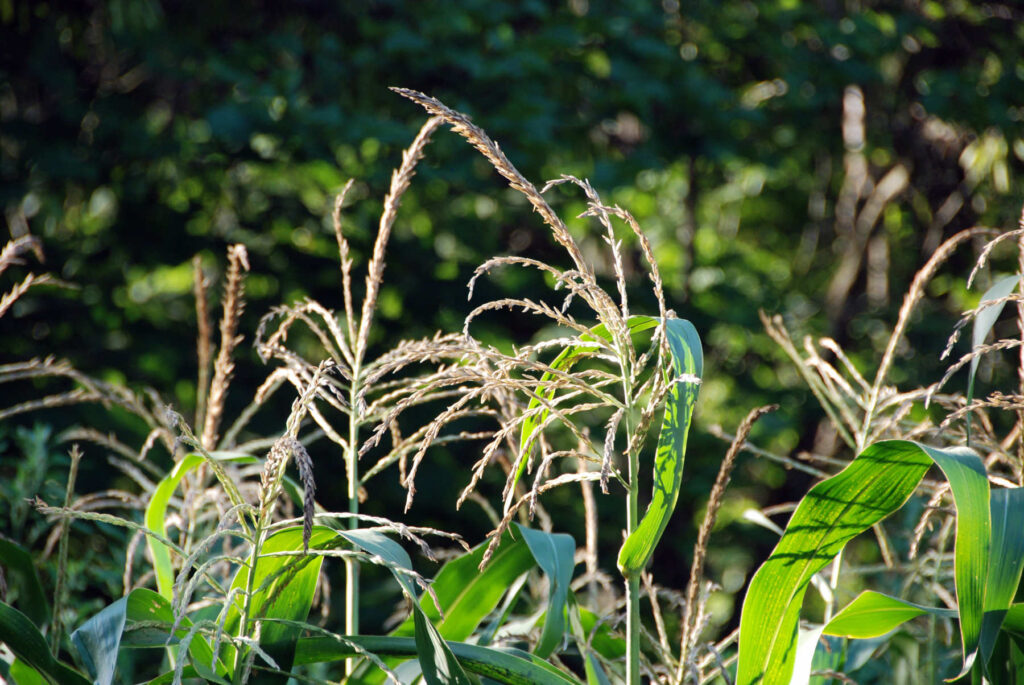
839, 153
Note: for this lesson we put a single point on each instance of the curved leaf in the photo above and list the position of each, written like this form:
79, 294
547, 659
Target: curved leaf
687, 359
466, 594
554, 554
29, 645
872, 486
439, 665
873, 614
99, 639
510, 666
156, 512
1006, 560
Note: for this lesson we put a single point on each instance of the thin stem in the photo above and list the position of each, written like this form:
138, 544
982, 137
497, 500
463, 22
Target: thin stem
632, 521
60, 591
243, 622
351, 469
1019, 467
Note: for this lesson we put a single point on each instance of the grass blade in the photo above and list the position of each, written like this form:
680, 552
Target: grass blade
688, 359
877, 483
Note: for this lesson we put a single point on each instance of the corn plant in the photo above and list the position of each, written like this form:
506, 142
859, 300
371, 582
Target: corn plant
627, 386
988, 552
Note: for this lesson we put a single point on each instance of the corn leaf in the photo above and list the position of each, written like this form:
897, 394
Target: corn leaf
873, 614
439, 665
466, 594
983, 324
875, 484
23, 638
283, 588
554, 554
99, 640
510, 666
564, 362
1006, 560
688, 359
156, 512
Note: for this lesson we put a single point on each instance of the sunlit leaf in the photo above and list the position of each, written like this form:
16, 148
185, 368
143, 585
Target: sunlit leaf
283, 588
99, 640
156, 513
872, 486
687, 359
873, 614
466, 594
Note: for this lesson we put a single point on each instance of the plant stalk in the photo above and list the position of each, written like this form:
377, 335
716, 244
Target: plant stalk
632, 581
351, 469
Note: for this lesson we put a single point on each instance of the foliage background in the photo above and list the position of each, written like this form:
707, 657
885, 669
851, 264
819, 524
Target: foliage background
136, 133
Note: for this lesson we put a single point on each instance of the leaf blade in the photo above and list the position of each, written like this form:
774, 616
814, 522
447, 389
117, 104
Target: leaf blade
872, 486
687, 359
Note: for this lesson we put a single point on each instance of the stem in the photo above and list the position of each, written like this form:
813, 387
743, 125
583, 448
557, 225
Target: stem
243, 619
632, 585
351, 466
632, 521
1019, 467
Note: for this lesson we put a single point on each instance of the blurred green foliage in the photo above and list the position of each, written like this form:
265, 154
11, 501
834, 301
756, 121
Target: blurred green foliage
136, 133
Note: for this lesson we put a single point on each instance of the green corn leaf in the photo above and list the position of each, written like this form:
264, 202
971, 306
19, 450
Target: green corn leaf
21, 673
156, 512
26, 642
564, 362
585, 643
1006, 560
283, 588
510, 666
466, 594
873, 614
439, 665
1013, 622
99, 640
21, 572
554, 554
983, 324
687, 358
875, 484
